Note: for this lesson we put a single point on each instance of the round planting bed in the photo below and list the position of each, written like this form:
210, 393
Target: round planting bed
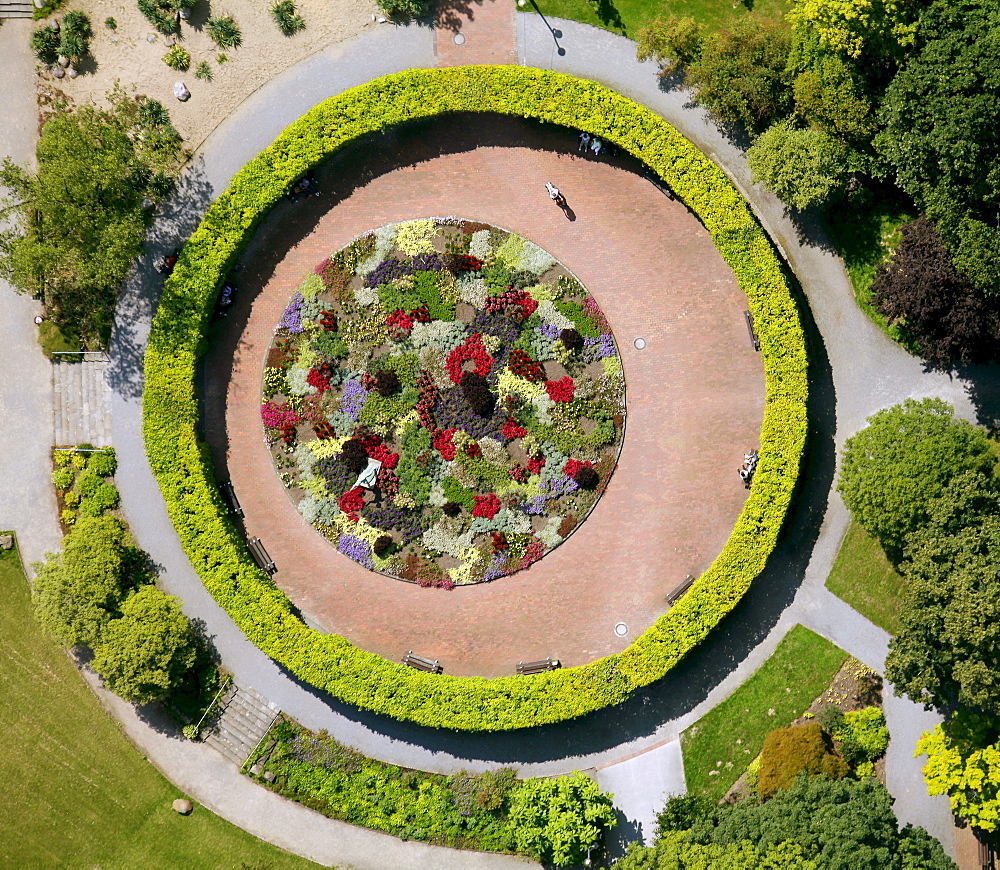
220, 555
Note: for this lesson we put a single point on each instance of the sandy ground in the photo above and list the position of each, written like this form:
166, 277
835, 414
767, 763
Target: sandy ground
126, 54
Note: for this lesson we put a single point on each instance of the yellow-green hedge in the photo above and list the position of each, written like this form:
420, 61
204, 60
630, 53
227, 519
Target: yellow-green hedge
184, 471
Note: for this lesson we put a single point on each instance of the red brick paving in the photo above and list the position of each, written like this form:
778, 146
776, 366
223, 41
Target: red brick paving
695, 396
486, 26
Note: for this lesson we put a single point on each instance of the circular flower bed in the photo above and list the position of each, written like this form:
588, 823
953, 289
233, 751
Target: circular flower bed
444, 401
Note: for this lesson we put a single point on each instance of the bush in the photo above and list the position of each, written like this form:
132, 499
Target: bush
790, 751
224, 32
177, 58
219, 553
45, 45
77, 23
161, 15
586, 477
863, 736
831, 717
288, 20
682, 812
571, 339
103, 463
203, 71
62, 478
673, 42
87, 483
354, 455
403, 8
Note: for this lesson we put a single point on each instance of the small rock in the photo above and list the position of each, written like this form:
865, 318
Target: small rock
182, 806
6, 542
181, 92
58, 72
62, 61
54, 25
256, 769
151, 37
170, 42
72, 73
269, 776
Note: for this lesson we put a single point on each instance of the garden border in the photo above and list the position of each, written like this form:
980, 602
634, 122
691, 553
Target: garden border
184, 472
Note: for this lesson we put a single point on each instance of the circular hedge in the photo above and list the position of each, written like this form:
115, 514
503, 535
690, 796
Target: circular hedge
444, 401
186, 478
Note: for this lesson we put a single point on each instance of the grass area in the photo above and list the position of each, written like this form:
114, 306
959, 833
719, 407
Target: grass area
627, 16
78, 794
719, 746
865, 229
864, 578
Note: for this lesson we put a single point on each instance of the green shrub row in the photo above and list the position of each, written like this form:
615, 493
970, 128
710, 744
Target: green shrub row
183, 469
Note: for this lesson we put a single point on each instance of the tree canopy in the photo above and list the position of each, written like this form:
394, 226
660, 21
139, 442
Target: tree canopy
802, 166
145, 653
79, 221
851, 26
918, 286
904, 458
941, 114
78, 591
948, 650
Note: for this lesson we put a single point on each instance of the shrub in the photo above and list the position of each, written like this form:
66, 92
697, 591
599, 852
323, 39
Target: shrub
218, 552
88, 482
477, 393
224, 32
790, 751
62, 478
831, 717
383, 544
72, 45
571, 339
586, 477
77, 23
673, 42
161, 15
177, 58
863, 736
386, 382
403, 8
682, 812
354, 456
103, 463
45, 45
286, 17
110, 23
203, 71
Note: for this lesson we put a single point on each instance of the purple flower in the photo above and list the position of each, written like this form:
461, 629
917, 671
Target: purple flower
496, 566
410, 524
549, 331
352, 398
452, 411
599, 348
339, 478
534, 506
497, 323
563, 486
427, 263
356, 549
291, 320
387, 271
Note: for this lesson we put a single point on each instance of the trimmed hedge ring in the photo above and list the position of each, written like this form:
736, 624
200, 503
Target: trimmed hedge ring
184, 472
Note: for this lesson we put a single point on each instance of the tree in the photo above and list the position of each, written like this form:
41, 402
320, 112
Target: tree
802, 166
904, 458
741, 74
851, 26
788, 752
829, 96
941, 113
682, 811
78, 592
842, 825
673, 42
145, 653
919, 287
78, 222
948, 649
556, 820
963, 761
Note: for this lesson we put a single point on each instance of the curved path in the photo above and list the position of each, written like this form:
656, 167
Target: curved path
695, 394
854, 365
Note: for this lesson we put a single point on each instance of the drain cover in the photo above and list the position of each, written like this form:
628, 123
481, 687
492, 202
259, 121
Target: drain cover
621, 629
640, 343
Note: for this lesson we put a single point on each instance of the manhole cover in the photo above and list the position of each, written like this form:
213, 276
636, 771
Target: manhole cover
458, 39
621, 629
640, 344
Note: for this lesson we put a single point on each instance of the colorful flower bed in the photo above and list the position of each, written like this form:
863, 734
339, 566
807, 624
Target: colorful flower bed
446, 402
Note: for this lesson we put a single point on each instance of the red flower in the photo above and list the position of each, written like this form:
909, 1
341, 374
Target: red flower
485, 506
561, 390
524, 366
444, 444
473, 450
379, 452
319, 378
399, 324
328, 321
572, 466
533, 552
535, 464
511, 298
351, 503
468, 263
499, 540
511, 430
421, 314
518, 473
471, 349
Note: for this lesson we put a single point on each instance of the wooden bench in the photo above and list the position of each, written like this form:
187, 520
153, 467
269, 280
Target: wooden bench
229, 497
539, 667
260, 556
680, 590
431, 666
748, 317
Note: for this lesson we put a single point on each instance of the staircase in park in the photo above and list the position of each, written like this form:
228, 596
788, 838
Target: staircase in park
81, 401
244, 717
11, 9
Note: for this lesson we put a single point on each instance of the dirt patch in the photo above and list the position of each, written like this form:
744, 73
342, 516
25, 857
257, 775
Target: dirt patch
127, 54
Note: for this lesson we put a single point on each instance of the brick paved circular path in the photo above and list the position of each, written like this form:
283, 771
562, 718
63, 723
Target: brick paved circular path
695, 394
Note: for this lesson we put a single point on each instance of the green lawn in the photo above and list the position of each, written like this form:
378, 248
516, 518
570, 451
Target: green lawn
76, 792
864, 578
866, 230
731, 735
627, 16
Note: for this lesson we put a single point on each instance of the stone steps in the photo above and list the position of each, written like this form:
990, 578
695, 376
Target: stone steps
245, 717
16, 10
81, 402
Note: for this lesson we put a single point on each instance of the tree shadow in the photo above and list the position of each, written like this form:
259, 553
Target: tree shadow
178, 216
624, 831
607, 13
450, 15
982, 385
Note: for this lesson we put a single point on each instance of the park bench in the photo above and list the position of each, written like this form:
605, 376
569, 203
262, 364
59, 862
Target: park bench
431, 666
539, 667
229, 496
748, 317
260, 556
680, 590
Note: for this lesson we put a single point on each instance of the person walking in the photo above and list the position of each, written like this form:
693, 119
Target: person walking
555, 195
